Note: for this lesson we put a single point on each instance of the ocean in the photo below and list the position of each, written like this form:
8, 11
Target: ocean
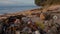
10, 9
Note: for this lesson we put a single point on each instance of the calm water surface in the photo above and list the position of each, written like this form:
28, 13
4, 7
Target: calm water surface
8, 9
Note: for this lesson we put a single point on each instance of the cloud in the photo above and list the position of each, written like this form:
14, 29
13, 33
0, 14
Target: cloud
16, 2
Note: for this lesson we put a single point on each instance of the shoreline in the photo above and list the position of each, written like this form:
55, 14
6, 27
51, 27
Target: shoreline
29, 12
24, 12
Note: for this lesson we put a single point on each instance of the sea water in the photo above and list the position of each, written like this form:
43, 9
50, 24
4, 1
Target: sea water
8, 9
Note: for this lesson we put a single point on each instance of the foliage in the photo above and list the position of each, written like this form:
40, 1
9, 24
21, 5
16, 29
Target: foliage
40, 24
46, 2
40, 2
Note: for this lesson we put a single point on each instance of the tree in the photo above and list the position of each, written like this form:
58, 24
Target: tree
47, 2
40, 2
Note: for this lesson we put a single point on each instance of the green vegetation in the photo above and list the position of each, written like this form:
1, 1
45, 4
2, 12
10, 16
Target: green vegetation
46, 2
40, 2
40, 24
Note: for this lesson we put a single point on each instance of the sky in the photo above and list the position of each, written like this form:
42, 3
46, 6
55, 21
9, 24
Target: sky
16, 2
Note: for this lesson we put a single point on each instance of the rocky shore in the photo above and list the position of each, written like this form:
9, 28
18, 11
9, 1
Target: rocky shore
26, 12
48, 19
30, 13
